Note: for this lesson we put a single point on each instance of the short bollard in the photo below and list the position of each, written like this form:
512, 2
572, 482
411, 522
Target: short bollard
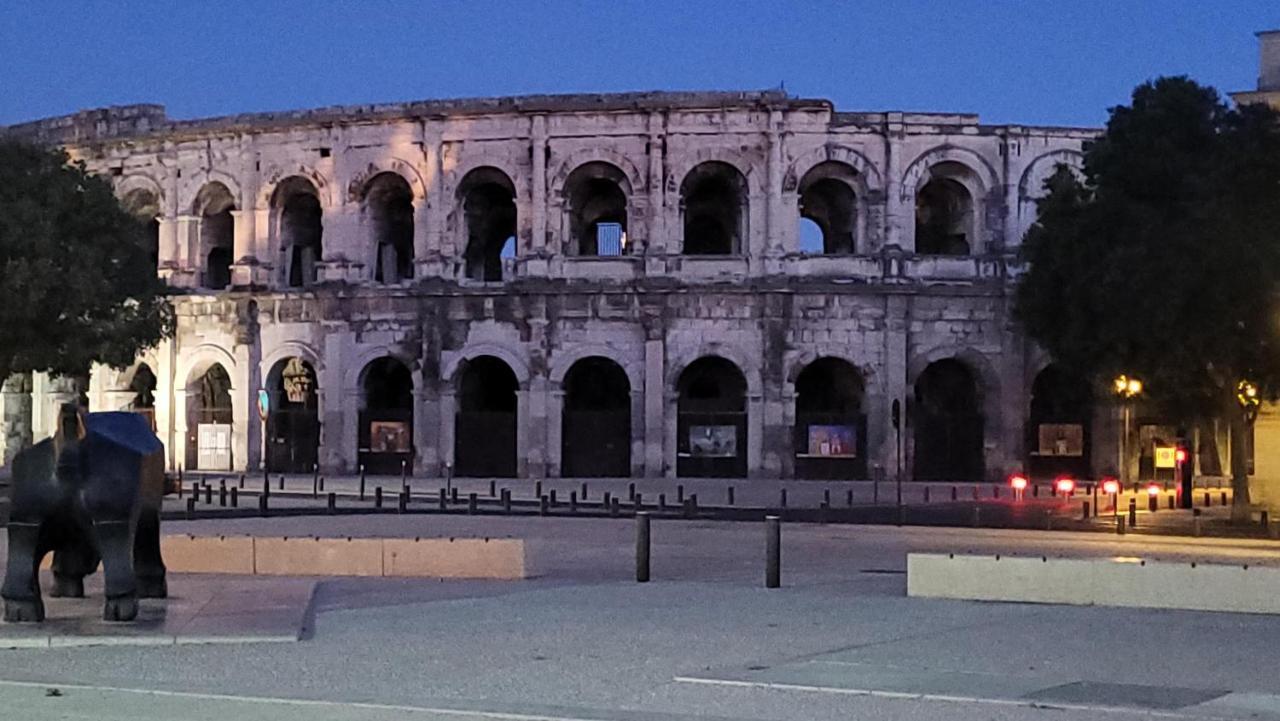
404, 475
631, 491
848, 498
604, 500
377, 497
680, 493
506, 501
926, 494
1196, 528
639, 502
552, 499
444, 500
1133, 512
262, 505
241, 481
693, 501
282, 481
208, 494
453, 494
662, 501
191, 507
614, 507
730, 489
493, 489
584, 491
472, 503
332, 503
235, 497
955, 493
537, 488
1120, 525
1208, 500
266, 485
362, 481
826, 496
315, 486
322, 484
1172, 500
1084, 511
772, 552
222, 496
573, 501
402, 503
782, 498
1035, 490
642, 547
408, 490
1264, 519
1224, 498
181, 490
543, 506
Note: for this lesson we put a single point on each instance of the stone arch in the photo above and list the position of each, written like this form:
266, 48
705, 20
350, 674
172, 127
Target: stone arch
596, 418
798, 362
741, 160
359, 183
1031, 184
982, 366
195, 361
484, 220
919, 171
635, 179
290, 349
828, 403
455, 175
597, 208
732, 353
190, 188
352, 382
132, 182
867, 172
513, 358
275, 176
563, 360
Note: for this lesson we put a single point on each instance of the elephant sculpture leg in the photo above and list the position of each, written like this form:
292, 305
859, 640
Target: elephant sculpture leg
115, 543
21, 591
147, 563
71, 564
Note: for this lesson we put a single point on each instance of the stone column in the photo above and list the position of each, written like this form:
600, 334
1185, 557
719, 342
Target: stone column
244, 414
639, 432
555, 430
656, 243
536, 263
523, 422
15, 415
178, 450
881, 435
447, 421
896, 214
655, 451
433, 260
339, 405
774, 234
536, 419
755, 435
186, 273
169, 253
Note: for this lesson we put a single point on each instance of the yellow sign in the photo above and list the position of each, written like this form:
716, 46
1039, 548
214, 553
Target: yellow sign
1165, 457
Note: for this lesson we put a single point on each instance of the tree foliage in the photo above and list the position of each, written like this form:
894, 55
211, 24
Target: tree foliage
78, 284
1163, 261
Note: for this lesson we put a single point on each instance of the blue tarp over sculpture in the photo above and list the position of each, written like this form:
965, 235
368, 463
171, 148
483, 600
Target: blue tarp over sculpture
90, 493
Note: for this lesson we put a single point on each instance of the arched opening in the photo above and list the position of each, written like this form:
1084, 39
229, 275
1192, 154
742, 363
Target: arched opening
1059, 429
711, 420
947, 422
213, 205
209, 420
827, 201
487, 197
831, 429
145, 206
388, 210
386, 417
296, 204
143, 386
944, 218
596, 198
293, 423
713, 200
485, 427
596, 425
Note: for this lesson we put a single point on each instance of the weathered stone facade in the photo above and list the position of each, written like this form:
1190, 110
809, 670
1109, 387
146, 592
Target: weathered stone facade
921, 217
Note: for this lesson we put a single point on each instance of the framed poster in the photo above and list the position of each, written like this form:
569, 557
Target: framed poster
389, 437
713, 441
1062, 439
833, 441
213, 446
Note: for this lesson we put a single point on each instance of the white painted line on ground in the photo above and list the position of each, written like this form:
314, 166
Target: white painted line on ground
904, 695
314, 703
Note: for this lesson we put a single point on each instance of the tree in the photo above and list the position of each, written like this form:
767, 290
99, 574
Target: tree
77, 281
1164, 260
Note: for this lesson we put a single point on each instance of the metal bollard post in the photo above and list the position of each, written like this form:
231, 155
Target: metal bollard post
826, 496
1172, 501
408, 491
377, 497
281, 481
315, 481
782, 498
614, 507
631, 491
955, 493
642, 547
1035, 490
266, 485
493, 492
543, 508
926, 494
573, 501
848, 498
1120, 525
537, 488
241, 481
680, 493
584, 491
402, 503
262, 505
552, 494
180, 488
639, 499
322, 484
772, 552
1208, 500
191, 507
730, 495
662, 501
1196, 528
444, 500
404, 474
1264, 519
453, 494
604, 501
1084, 514
333, 503
975, 493
235, 497
506, 501
1133, 512
472, 503
362, 481
208, 495
222, 495
1224, 498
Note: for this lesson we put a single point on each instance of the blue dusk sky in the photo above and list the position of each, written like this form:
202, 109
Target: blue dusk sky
1059, 62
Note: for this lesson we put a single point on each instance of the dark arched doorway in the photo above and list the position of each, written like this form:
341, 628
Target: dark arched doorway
209, 419
831, 430
293, 425
485, 428
595, 438
1058, 429
711, 421
947, 422
386, 417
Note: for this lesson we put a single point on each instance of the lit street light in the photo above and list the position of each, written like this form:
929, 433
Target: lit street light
1127, 389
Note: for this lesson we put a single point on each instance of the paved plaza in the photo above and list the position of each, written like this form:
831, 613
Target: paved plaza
704, 639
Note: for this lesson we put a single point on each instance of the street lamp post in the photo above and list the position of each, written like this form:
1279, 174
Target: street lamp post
1126, 388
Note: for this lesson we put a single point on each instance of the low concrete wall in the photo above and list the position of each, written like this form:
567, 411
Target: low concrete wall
1096, 581
504, 559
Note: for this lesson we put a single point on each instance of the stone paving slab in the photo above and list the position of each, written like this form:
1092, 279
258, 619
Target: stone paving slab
199, 610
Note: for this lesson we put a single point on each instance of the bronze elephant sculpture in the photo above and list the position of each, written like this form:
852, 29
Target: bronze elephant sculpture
90, 493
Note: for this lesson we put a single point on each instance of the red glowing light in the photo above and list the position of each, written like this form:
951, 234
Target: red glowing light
1018, 481
1111, 486
1153, 489
1065, 485
1180, 455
